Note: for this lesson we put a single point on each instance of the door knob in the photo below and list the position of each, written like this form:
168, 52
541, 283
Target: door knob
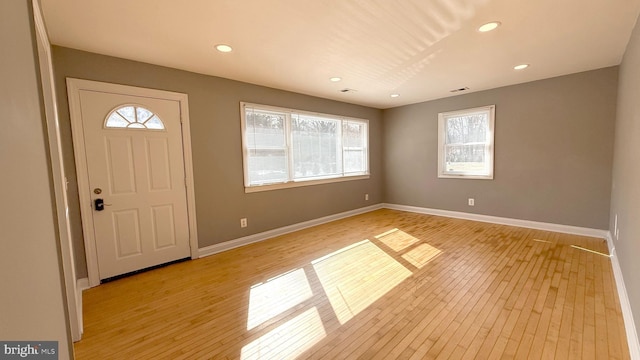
99, 204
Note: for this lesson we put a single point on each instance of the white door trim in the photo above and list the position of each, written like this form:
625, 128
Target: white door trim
58, 174
74, 86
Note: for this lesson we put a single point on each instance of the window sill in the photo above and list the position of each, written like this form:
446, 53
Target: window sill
294, 184
469, 177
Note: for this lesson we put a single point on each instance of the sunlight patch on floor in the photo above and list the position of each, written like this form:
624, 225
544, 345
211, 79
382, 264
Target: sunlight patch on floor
356, 276
543, 241
288, 340
276, 296
589, 250
397, 240
421, 255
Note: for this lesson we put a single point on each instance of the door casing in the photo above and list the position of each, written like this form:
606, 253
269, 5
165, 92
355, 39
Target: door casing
74, 304
74, 86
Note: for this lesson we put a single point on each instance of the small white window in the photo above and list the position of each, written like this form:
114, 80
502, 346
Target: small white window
133, 117
287, 148
465, 143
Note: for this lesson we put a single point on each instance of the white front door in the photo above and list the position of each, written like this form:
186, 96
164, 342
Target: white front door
136, 179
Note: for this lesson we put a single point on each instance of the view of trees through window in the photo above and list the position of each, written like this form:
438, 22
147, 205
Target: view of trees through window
466, 142
283, 146
315, 144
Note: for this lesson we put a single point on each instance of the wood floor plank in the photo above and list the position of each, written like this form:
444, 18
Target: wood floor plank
426, 331
459, 290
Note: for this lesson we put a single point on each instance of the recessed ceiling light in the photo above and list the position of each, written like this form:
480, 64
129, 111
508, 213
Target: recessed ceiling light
489, 26
459, 89
521, 66
335, 79
224, 48
395, 95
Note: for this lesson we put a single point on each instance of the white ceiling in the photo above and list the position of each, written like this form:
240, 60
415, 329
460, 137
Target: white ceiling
420, 49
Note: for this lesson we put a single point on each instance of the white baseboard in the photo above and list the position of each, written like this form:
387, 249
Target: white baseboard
81, 285
235, 243
625, 305
232, 244
567, 229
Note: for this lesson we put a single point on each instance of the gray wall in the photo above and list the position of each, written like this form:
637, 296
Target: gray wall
32, 305
625, 199
553, 152
214, 109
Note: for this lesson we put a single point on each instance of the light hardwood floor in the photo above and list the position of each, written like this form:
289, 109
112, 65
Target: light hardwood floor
382, 285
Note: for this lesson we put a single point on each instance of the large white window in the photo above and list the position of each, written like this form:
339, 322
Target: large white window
286, 148
465, 143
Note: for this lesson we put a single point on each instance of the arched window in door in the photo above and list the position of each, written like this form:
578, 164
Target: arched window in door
133, 117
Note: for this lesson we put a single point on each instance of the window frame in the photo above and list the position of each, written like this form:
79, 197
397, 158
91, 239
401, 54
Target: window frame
144, 126
291, 181
489, 144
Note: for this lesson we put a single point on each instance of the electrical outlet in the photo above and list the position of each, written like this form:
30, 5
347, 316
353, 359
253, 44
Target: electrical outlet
366, 197
243, 222
472, 202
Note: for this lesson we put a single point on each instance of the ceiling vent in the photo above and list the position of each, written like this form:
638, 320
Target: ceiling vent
459, 90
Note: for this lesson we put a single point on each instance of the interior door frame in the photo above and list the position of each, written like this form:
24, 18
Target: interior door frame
74, 304
74, 86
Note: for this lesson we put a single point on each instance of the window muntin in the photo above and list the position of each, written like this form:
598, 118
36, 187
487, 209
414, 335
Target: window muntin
465, 143
133, 117
284, 147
